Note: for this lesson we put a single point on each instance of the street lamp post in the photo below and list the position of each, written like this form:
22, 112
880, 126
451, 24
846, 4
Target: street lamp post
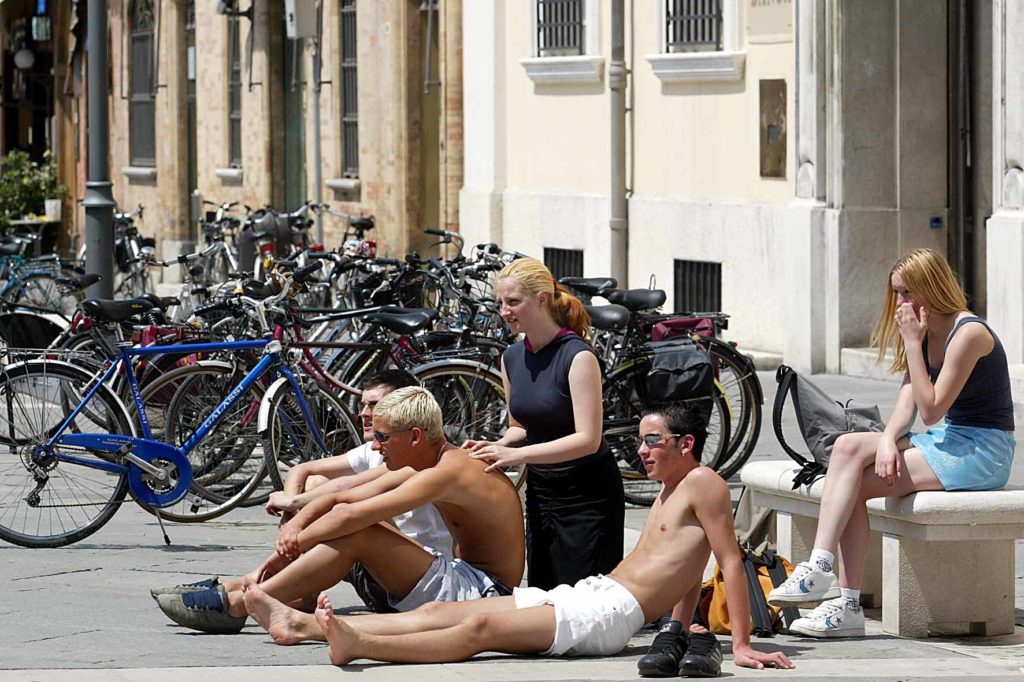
99, 200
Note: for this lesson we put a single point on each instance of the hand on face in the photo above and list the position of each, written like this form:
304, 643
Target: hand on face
912, 327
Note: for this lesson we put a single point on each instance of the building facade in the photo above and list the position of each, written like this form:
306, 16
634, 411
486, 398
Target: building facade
781, 154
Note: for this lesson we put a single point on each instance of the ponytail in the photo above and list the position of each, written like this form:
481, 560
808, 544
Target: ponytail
569, 312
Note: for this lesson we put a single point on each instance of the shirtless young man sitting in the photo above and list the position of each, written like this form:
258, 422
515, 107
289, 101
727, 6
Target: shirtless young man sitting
319, 545
691, 517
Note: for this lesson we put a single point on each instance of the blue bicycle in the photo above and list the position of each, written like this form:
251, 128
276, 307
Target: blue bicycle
70, 450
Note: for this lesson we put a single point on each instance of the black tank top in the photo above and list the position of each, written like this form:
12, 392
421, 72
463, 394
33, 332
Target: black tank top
985, 399
539, 397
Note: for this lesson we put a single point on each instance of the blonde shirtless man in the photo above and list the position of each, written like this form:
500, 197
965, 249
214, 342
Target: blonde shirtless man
691, 518
320, 544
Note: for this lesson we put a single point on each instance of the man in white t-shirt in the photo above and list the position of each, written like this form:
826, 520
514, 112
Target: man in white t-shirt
310, 480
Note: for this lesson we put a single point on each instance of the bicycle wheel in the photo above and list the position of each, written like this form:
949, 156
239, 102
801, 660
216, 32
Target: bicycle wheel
741, 389
227, 465
288, 440
472, 400
46, 502
623, 409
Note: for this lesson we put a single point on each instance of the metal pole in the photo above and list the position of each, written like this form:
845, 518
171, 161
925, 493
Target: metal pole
99, 200
619, 222
318, 164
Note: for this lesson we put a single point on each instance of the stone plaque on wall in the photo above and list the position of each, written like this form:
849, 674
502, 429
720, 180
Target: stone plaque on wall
769, 21
773, 128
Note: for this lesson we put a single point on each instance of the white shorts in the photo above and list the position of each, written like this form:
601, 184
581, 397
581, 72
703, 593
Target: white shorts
450, 580
595, 617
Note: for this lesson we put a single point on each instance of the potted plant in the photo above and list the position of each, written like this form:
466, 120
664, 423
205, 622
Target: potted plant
25, 187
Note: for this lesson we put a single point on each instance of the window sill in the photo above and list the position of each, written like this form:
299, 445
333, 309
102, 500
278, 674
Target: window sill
232, 176
564, 70
139, 173
343, 184
698, 67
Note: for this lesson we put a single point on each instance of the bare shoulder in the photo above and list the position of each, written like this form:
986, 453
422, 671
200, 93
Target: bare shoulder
976, 335
703, 486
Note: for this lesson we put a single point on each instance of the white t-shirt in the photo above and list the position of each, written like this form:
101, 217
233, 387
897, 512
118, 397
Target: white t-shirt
423, 524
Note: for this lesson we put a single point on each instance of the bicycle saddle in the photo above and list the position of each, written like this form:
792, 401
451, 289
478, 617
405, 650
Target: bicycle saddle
161, 302
608, 317
591, 286
114, 311
636, 299
362, 223
10, 249
400, 323
83, 282
431, 313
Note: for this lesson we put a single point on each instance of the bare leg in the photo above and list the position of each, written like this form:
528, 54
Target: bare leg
851, 455
916, 476
517, 631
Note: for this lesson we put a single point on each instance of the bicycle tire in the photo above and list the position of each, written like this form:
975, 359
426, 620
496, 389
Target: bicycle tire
472, 400
31, 409
738, 381
228, 464
287, 439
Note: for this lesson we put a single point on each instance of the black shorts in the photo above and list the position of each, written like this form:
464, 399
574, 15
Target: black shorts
369, 590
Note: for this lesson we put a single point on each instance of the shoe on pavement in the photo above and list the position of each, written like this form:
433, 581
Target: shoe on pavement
831, 619
203, 610
667, 650
703, 657
186, 587
807, 586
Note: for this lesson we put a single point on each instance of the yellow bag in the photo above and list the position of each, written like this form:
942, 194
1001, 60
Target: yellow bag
769, 570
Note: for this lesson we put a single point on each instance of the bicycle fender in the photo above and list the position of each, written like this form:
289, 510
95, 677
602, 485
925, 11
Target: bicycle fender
264, 417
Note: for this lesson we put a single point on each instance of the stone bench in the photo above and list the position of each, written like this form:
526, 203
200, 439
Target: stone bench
938, 563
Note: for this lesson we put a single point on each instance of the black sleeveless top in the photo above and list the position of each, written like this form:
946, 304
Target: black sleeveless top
985, 399
539, 397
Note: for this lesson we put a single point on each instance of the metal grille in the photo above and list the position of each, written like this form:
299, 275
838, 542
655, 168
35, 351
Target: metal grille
142, 87
698, 286
349, 92
560, 25
693, 25
564, 262
235, 92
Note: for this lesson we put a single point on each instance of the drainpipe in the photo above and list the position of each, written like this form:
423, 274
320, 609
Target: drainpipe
99, 199
619, 221
318, 164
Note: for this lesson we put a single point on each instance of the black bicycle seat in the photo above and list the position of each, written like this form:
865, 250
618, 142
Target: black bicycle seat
83, 282
400, 323
431, 313
10, 249
608, 317
636, 299
161, 302
362, 223
114, 311
591, 286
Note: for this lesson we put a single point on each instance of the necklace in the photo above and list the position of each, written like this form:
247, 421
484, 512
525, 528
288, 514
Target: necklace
444, 446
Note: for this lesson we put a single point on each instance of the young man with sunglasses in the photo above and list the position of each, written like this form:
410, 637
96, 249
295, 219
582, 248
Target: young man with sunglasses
691, 518
318, 546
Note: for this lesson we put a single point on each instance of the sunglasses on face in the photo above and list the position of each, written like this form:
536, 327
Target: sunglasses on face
367, 407
653, 439
382, 437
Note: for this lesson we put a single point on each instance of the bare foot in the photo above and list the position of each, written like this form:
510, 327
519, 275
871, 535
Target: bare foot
284, 625
341, 639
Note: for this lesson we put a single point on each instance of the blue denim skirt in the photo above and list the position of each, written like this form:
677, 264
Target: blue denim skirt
967, 457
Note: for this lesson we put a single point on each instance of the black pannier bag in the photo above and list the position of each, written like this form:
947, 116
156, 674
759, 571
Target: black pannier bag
680, 371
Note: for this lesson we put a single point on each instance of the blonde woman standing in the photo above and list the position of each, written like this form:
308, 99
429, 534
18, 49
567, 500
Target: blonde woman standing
956, 377
574, 500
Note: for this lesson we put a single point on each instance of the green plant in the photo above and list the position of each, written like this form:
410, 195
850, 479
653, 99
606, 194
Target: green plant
25, 185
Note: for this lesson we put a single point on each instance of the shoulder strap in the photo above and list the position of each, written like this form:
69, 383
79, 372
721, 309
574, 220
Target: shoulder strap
960, 323
787, 385
759, 612
777, 572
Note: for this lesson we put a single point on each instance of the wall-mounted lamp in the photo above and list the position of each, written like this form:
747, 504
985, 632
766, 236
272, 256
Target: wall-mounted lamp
24, 59
230, 8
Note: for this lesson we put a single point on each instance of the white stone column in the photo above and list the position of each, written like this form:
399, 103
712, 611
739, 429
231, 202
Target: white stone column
483, 54
1005, 248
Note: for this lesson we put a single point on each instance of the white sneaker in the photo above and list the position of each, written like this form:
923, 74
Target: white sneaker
831, 619
807, 586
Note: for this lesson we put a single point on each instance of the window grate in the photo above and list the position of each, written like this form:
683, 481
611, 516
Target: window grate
564, 262
235, 92
698, 286
560, 25
693, 25
142, 87
349, 92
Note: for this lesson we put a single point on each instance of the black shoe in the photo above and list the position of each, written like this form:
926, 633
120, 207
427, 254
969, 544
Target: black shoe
703, 657
667, 650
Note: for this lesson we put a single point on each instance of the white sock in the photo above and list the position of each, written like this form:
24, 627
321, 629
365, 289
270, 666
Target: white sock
822, 559
851, 598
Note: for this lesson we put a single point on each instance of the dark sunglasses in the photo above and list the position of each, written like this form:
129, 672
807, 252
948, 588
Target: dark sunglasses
652, 439
382, 437
367, 406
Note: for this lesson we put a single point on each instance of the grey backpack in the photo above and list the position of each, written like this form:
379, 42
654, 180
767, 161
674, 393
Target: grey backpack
821, 421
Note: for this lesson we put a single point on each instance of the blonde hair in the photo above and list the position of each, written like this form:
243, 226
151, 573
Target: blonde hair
412, 406
566, 309
933, 284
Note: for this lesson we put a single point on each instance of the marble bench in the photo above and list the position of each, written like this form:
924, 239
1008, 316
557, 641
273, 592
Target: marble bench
939, 563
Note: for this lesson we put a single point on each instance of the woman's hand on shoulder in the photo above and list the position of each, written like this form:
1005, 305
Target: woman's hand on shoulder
497, 456
912, 326
887, 460
475, 445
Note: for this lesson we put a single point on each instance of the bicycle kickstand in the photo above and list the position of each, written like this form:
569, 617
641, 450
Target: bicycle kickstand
167, 540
